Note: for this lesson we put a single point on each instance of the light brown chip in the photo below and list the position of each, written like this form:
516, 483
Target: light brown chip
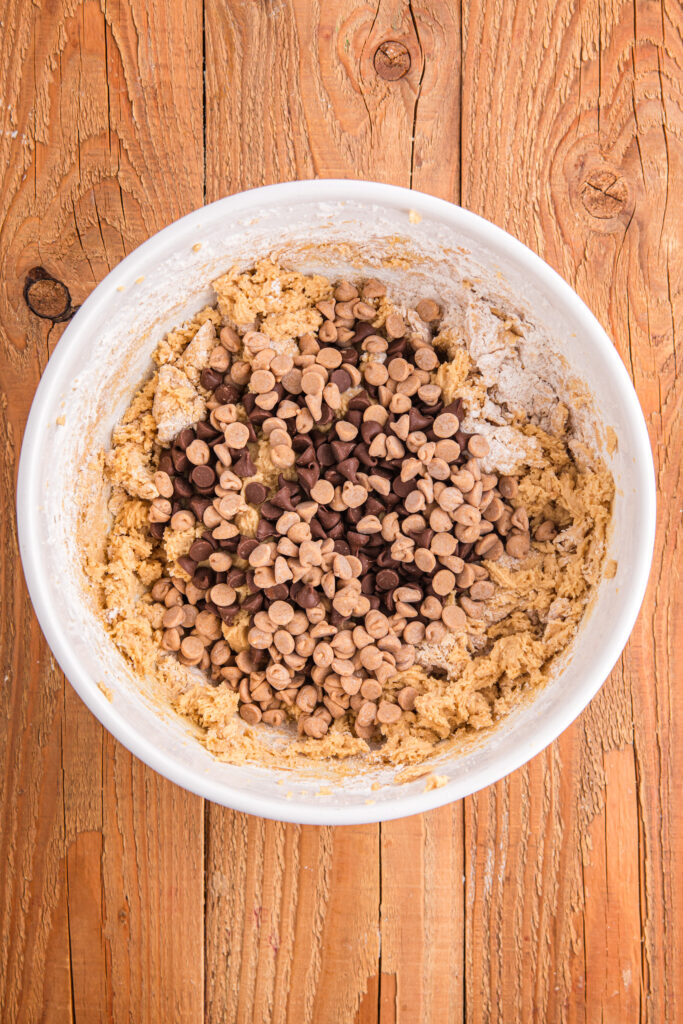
261, 381
478, 446
366, 714
250, 713
192, 648
406, 697
395, 326
236, 434
388, 713
173, 616
322, 492
280, 613
508, 487
453, 617
428, 310
414, 633
223, 595
182, 520
443, 582
260, 556
446, 425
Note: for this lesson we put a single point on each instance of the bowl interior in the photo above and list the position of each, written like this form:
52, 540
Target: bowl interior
341, 229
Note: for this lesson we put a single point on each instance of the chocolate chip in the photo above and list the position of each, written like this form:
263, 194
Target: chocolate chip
157, 530
325, 455
199, 506
185, 438
180, 459
203, 578
182, 487
327, 517
210, 379
270, 511
317, 530
244, 466
362, 331
367, 584
369, 430
341, 547
166, 464
307, 597
255, 493
236, 577
265, 529
228, 612
253, 603
245, 547
227, 394
309, 476
387, 579
249, 401
205, 432
350, 355
341, 378
279, 592
341, 449
349, 469
418, 421
203, 477
283, 500
200, 550
403, 487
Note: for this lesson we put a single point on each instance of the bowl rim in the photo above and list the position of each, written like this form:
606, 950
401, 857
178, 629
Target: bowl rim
29, 534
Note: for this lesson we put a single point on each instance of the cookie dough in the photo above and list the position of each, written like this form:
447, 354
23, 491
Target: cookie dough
473, 676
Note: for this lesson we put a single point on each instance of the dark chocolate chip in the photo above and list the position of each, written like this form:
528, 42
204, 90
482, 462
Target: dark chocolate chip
185, 438
369, 430
255, 493
387, 579
349, 469
210, 379
203, 477
341, 378
245, 547
203, 578
205, 432
201, 549
280, 592
180, 459
157, 530
244, 466
182, 487
188, 564
236, 577
253, 603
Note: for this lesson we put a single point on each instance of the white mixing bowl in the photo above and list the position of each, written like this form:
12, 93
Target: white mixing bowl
344, 227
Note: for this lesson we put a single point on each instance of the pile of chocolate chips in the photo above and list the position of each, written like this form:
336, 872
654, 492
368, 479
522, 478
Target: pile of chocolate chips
389, 515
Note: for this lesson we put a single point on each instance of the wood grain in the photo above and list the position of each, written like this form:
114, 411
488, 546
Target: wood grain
574, 897
101, 112
555, 896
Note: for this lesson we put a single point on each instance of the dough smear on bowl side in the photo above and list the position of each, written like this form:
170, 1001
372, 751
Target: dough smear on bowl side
360, 517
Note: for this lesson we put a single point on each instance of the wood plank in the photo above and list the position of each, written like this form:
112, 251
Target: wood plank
97, 158
573, 898
291, 920
291, 913
423, 918
329, 113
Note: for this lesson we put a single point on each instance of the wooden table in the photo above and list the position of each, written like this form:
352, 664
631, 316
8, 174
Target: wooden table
557, 894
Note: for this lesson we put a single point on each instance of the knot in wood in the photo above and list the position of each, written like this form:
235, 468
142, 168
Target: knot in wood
47, 297
604, 194
392, 60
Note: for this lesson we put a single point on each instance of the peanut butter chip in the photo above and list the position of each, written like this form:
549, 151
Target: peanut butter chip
237, 434
388, 713
281, 613
262, 381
